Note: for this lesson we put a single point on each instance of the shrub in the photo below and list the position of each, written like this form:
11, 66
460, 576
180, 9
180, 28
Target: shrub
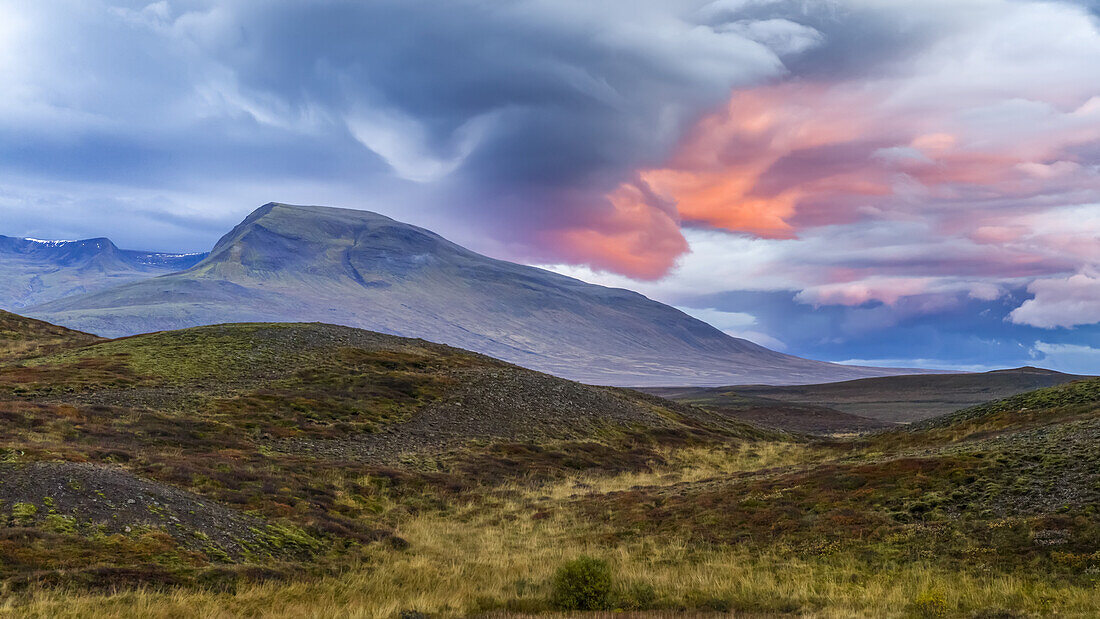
930, 605
23, 514
61, 524
582, 584
637, 596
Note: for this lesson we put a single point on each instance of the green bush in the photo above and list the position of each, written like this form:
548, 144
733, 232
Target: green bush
582, 584
23, 514
61, 524
637, 596
930, 605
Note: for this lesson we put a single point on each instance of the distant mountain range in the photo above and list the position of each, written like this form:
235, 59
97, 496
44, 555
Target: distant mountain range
35, 271
356, 268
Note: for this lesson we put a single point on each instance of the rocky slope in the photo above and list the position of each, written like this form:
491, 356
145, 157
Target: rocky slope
297, 263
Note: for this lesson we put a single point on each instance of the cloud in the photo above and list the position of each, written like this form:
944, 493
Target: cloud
1073, 358
930, 364
868, 167
737, 324
1062, 302
1002, 132
518, 118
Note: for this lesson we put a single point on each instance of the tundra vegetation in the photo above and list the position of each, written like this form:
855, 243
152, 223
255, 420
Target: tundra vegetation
308, 470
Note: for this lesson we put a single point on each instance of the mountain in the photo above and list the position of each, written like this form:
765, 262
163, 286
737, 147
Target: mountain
35, 271
896, 399
307, 263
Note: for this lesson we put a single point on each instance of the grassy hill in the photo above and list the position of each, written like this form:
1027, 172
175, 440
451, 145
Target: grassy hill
286, 430
25, 337
887, 399
309, 470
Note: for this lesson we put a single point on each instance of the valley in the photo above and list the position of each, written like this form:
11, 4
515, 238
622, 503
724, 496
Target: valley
859, 405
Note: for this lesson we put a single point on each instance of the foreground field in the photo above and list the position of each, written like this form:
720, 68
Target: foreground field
497, 552
307, 470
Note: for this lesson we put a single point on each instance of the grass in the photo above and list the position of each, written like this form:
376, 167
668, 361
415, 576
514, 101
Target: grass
25, 337
497, 550
479, 557
993, 510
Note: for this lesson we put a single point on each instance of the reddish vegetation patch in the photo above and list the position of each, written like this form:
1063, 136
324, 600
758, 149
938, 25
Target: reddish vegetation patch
835, 501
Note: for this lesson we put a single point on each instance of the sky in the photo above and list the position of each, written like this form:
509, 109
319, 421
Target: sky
911, 183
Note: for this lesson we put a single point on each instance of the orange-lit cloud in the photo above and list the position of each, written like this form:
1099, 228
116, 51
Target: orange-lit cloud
718, 175
635, 236
779, 159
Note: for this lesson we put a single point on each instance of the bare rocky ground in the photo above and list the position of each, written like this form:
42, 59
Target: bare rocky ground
111, 500
501, 404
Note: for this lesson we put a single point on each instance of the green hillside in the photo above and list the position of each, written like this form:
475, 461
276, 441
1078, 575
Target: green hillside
305, 469
25, 337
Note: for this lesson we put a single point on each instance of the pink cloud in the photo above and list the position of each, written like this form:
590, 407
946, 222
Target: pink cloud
886, 290
963, 170
635, 235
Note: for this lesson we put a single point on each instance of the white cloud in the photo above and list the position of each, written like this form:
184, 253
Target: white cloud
1062, 302
403, 142
1072, 358
737, 324
925, 364
781, 35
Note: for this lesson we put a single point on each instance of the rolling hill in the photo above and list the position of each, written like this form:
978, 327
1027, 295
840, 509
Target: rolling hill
241, 443
280, 469
34, 271
305, 263
25, 337
893, 399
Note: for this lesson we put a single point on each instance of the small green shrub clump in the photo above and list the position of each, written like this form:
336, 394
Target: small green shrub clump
23, 514
930, 605
637, 596
61, 524
582, 584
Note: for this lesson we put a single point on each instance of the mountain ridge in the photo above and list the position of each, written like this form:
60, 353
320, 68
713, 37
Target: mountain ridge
34, 271
286, 263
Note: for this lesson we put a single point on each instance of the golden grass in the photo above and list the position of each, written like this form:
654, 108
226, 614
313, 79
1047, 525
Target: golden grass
444, 579
684, 465
504, 547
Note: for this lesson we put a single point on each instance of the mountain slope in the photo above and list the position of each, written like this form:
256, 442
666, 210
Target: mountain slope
356, 268
24, 337
34, 271
901, 399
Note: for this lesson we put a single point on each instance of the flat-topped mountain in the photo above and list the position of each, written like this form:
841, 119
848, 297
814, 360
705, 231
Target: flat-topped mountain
36, 271
308, 263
